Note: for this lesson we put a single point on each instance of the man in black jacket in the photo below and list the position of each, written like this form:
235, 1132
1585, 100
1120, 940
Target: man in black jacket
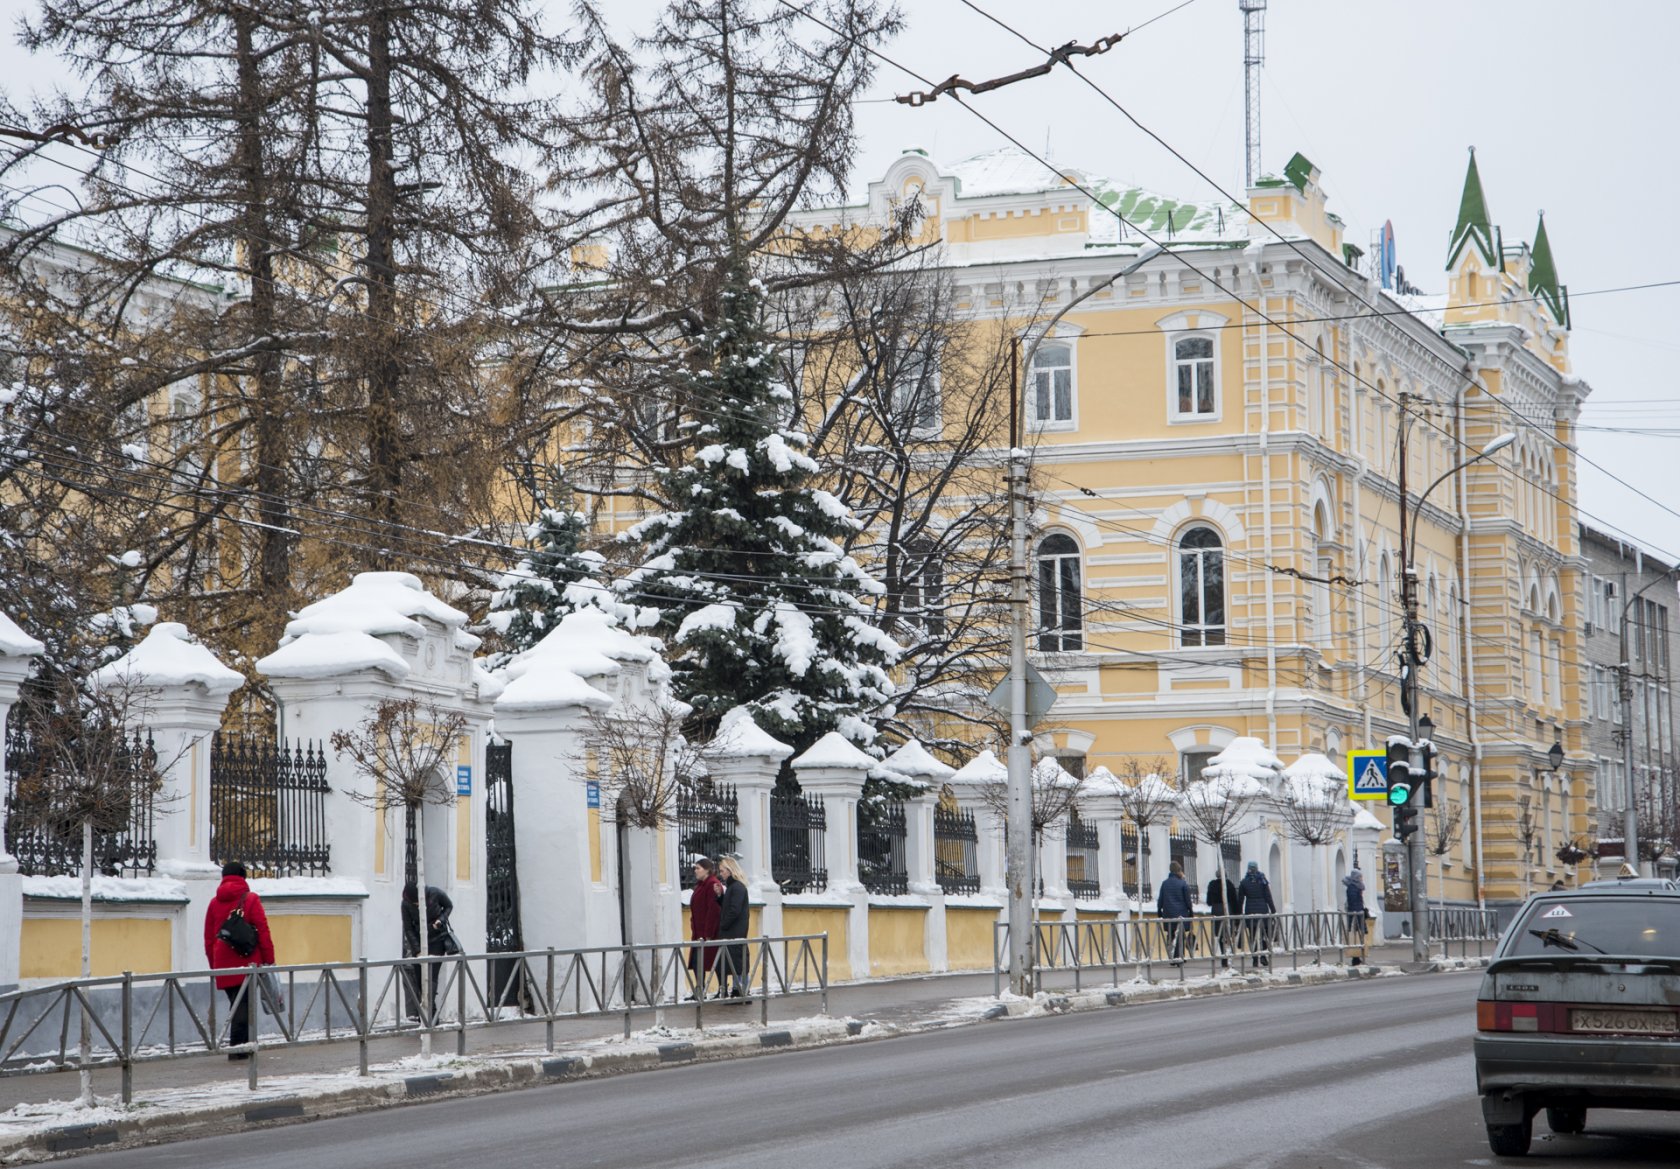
440, 940
735, 916
1174, 909
1255, 893
1222, 902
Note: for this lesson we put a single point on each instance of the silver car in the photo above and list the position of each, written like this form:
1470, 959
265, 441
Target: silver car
1579, 1009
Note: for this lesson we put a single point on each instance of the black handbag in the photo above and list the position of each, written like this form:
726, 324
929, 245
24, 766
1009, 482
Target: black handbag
238, 933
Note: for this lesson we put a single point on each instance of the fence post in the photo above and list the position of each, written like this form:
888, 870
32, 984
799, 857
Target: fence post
253, 1019
16, 650
362, 1017
549, 1006
834, 770
745, 756
128, 1036
461, 1002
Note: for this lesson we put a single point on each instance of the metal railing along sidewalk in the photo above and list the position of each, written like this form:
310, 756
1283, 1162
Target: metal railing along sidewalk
130, 1019
1222, 942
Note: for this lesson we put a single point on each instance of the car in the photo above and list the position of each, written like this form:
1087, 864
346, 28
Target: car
1631, 883
1580, 1008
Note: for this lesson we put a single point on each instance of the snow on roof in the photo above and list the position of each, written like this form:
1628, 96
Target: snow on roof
171, 656
106, 888
593, 633
984, 768
546, 685
14, 642
739, 737
1103, 782
1151, 790
1316, 765
340, 634
1049, 772
834, 750
913, 759
1244, 756
1362, 818
489, 685
1007, 171
1428, 307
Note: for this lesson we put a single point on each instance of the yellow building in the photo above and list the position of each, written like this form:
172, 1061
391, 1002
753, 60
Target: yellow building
1217, 484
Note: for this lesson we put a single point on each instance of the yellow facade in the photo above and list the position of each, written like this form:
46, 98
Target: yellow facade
304, 938
51, 947
897, 941
819, 919
969, 938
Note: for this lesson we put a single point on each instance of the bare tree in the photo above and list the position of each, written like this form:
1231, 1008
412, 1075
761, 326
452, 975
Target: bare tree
1055, 793
1216, 808
642, 761
1442, 825
405, 747
1312, 811
92, 773
1528, 833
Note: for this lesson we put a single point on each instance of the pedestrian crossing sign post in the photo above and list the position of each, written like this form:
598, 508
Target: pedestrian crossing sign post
1367, 775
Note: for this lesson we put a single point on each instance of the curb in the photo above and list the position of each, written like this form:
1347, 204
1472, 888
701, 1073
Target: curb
262, 1110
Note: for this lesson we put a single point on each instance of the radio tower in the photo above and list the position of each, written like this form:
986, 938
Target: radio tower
1254, 56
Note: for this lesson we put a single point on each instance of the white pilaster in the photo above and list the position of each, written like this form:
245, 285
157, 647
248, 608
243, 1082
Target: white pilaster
17, 653
834, 771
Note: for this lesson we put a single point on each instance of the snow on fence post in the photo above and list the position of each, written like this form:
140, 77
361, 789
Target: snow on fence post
913, 762
386, 638
175, 691
970, 783
834, 770
1102, 805
17, 651
747, 757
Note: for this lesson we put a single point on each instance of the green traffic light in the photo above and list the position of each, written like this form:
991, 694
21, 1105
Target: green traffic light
1399, 795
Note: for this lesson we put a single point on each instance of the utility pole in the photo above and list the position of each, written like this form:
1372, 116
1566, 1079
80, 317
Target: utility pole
1416, 857
1018, 832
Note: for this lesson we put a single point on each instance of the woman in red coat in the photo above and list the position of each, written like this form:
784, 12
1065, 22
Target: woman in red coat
232, 894
704, 915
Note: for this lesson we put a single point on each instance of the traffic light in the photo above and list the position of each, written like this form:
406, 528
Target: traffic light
1402, 793
1424, 796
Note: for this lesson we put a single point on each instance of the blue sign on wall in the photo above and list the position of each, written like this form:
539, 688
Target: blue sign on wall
463, 779
594, 791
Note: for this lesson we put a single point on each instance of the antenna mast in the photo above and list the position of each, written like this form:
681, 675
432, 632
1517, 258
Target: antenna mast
1254, 56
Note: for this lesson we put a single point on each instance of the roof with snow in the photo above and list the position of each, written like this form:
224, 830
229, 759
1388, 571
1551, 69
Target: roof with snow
834, 750
14, 642
984, 768
914, 760
739, 737
171, 656
340, 634
1244, 756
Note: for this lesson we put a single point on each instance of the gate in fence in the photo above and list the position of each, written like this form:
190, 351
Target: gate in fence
798, 828
268, 806
502, 933
708, 824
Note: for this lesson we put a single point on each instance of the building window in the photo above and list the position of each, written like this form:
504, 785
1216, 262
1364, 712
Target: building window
1191, 764
915, 393
1060, 606
1052, 384
1201, 587
1196, 396
922, 585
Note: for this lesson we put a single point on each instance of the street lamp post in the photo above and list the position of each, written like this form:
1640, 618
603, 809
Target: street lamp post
1412, 659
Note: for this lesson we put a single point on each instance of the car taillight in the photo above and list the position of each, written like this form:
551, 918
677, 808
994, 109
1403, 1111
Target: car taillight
1534, 1017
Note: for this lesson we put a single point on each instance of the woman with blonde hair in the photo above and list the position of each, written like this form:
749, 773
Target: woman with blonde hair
732, 923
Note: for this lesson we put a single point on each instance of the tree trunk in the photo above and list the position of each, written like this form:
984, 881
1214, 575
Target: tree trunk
87, 956
383, 370
425, 916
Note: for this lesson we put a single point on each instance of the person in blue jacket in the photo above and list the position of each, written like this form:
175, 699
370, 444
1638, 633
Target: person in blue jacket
1255, 894
1174, 908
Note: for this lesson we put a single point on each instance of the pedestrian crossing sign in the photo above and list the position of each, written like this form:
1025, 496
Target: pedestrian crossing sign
1367, 775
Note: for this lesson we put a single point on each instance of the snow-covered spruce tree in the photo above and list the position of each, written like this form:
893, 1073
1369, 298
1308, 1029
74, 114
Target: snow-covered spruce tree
759, 604
532, 598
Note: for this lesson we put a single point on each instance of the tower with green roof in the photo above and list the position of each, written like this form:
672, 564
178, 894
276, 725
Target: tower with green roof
1474, 225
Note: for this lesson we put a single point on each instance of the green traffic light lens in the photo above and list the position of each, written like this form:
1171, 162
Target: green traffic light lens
1399, 795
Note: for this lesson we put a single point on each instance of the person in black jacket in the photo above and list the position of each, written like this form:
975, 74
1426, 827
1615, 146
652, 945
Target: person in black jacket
1174, 909
1255, 893
1222, 902
439, 941
732, 923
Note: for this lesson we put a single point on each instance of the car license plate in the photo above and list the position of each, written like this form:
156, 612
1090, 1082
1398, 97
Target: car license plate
1623, 1021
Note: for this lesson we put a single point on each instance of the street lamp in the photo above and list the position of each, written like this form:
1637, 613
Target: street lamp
1416, 858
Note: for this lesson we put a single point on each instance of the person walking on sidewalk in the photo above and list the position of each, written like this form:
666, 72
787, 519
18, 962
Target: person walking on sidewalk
1354, 883
1255, 893
439, 941
236, 935
1222, 904
705, 911
734, 915
1174, 909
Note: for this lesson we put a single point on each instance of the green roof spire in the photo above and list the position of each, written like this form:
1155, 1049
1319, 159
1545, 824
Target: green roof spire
1473, 221
1542, 275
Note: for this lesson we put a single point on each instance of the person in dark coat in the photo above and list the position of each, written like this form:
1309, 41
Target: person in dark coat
734, 915
1354, 883
1222, 902
234, 893
705, 911
1174, 909
1255, 895
438, 941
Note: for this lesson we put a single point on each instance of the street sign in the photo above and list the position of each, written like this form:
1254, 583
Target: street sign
463, 779
1041, 696
1367, 775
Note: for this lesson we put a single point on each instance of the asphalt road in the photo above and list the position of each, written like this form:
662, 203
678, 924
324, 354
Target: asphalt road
1374, 1075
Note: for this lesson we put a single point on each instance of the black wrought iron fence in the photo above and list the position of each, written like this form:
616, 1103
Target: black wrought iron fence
1181, 847
1230, 858
1083, 877
708, 824
1134, 863
798, 856
956, 851
268, 806
882, 867
45, 834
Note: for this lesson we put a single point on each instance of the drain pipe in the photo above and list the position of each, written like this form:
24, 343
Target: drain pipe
1266, 522
1467, 643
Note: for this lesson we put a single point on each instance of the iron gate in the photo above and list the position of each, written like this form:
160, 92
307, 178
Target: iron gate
502, 933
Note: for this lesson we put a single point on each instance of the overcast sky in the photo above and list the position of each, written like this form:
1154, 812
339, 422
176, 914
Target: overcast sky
1569, 106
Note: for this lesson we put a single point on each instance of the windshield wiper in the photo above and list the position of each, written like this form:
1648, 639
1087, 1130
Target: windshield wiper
1552, 938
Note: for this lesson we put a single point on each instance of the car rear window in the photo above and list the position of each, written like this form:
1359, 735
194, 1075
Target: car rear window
1641, 926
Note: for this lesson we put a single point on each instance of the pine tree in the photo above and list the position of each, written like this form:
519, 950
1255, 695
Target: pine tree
758, 603
532, 598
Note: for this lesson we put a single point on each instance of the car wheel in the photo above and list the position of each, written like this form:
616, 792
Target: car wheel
1510, 1140
1567, 1121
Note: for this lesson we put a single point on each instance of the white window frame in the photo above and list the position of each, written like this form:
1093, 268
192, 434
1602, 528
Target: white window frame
1059, 633
1202, 627
1174, 340
1052, 425
920, 359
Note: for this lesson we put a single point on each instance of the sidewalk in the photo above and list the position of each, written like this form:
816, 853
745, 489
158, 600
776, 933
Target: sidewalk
190, 1096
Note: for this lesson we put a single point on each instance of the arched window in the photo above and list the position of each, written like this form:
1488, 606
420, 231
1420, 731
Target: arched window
1052, 384
1324, 567
1193, 377
1061, 610
915, 392
1201, 587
